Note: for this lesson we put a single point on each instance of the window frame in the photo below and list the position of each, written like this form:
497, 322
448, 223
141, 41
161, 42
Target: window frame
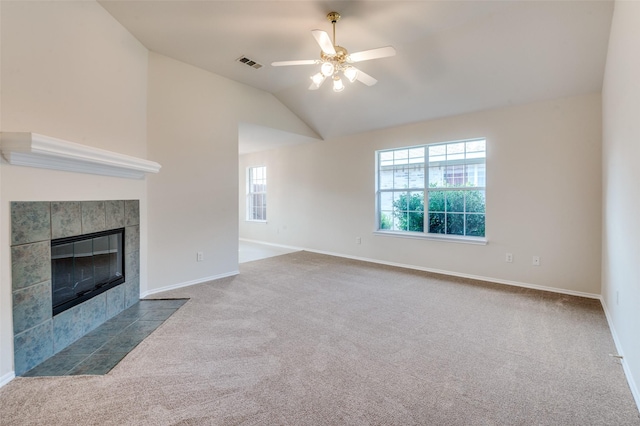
250, 215
427, 190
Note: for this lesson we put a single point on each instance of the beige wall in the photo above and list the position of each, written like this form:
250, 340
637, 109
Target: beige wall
621, 175
68, 71
193, 120
543, 196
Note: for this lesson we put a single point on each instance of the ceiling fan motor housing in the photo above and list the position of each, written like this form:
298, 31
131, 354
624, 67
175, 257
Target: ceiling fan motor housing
340, 56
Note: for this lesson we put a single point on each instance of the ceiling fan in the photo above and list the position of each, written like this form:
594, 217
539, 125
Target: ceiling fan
335, 59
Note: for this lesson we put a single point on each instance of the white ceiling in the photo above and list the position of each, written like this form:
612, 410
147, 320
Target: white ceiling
452, 57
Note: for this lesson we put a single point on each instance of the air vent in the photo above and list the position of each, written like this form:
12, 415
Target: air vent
249, 62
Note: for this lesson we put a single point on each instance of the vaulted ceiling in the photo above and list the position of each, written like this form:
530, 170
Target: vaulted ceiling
452, 57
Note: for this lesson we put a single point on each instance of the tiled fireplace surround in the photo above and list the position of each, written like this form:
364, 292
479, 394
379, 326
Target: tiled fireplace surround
37, 334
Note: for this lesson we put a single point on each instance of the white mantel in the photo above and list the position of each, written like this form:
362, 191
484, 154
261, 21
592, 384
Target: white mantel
35, 150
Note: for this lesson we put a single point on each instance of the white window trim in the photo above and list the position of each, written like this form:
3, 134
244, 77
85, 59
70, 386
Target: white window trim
463, 239
248, 194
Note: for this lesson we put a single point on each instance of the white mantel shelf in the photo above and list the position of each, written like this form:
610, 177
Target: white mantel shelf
35, 150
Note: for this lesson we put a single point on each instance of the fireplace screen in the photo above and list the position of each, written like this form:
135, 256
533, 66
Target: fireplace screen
85, 266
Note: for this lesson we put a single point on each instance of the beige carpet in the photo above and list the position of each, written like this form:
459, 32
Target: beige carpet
307, 339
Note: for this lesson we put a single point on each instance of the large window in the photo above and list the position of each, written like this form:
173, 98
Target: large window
257, 193
446, 178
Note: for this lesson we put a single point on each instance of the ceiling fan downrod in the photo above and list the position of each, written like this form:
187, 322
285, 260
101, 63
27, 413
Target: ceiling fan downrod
333, 17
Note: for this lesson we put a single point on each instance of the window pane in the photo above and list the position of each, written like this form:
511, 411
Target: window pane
416, 155
386, 217
454, 175
400, 201
386, 158
455, 201
437, 153
436, 223
400, 177
455, 151
386, 178
476, 149
416, 176
475, 201
416, 221
475, 175
436, 177
436, 201
475, 225
455, 224
401, 156
386, 201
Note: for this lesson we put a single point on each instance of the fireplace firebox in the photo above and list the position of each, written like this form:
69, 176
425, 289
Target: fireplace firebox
85, 266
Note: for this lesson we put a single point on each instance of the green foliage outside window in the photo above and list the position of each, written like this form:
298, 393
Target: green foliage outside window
446, 213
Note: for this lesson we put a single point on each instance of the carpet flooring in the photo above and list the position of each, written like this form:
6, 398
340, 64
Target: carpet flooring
308, 339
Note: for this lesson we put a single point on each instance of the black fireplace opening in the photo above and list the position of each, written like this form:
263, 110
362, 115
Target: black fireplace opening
85, 266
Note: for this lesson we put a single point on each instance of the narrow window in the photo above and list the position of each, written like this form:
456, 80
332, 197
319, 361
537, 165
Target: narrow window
433, 189
257, 193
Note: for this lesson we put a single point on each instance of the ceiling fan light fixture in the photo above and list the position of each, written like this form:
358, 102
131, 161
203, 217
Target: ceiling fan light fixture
318, 79
334, 60
327, 69
351, 73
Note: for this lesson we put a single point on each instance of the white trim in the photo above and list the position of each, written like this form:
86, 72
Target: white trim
462, 275
625, 366
434, 237
7, 378
273, 244
35, 150
440, 271
187, 283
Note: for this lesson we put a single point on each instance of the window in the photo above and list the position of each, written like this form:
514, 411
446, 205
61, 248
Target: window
257, 193
447, 178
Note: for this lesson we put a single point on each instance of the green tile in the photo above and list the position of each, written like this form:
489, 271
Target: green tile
114, 214
66, 219
93, 217
30, 264
31, 306
30, 222
98, 364
131, 212
57, 365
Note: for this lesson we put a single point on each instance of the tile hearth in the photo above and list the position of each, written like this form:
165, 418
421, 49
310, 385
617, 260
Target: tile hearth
102, 349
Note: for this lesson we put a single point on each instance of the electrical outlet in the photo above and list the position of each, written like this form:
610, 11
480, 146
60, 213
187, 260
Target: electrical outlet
536, 261
358, 240
199, 256
508, 257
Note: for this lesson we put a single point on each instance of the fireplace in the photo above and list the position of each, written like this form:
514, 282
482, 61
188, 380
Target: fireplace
38, 333
85, 266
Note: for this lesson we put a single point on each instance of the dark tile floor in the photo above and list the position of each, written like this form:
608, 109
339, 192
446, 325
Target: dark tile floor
103, 348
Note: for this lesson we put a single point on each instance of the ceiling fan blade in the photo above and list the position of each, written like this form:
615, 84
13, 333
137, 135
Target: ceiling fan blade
365, 55
324, 41
300, 62
365, 78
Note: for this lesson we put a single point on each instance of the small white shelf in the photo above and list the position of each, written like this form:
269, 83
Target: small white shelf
35, 150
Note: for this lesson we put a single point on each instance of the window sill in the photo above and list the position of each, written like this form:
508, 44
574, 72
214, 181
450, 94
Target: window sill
255, 221
435, 237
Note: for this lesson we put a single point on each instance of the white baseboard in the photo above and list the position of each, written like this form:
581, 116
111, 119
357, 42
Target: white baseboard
437, 271
187, 284
462, 275
625, 367
7, 378
273, 244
